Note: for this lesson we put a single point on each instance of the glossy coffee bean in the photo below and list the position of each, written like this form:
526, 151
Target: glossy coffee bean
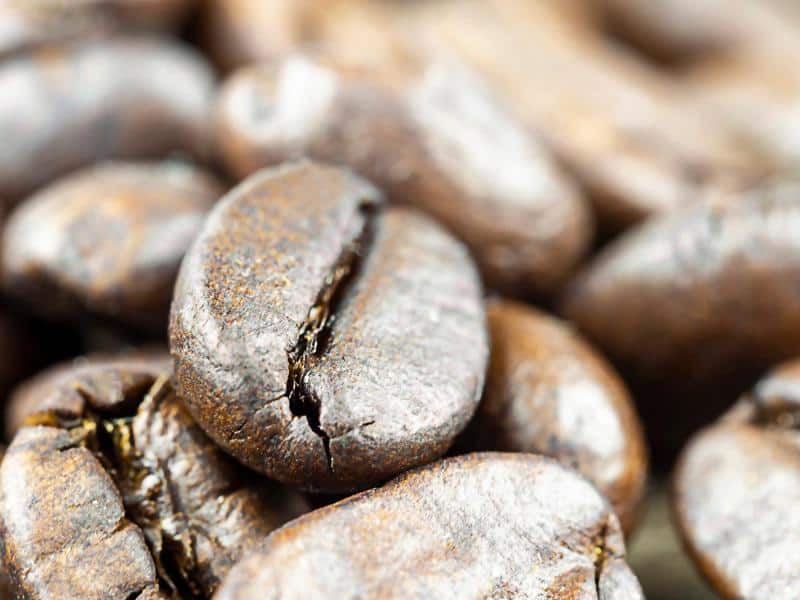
144, 505
548, 392
736, 492
113, 383
24, 25
106, 241
425, 142
702, 293
323, 340
476, 526
69, 106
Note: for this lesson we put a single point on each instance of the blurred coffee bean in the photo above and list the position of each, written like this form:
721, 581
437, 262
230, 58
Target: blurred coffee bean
321, 340
755, 92
476, 526
619, 126
701, 293
737, 487
113, 384
26, 24
69, 106
548, 392
106, 241
426, 143
94, 505
673, 30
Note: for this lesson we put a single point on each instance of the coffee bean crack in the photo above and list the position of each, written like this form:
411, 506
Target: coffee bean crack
315, 333
147, 491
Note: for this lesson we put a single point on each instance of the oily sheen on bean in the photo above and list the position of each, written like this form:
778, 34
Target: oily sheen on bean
107, 241
424, 142
323, 340
737, 487
126, 497
475, 526
548, 392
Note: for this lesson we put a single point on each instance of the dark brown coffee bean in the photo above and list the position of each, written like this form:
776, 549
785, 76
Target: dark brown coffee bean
106, 241
621, 129
737, 488
440, 143
549, 392
104, 383
476, 526
321, 340
97, 505
124, 98
701, 293
676, 29
26, 24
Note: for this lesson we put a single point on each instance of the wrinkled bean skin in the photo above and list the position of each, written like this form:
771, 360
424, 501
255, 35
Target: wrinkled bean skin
113, 383
736, 491
700, 293
323, 341
159, 507
25, 24
475, 526
424, 143
69, 106
107, 241
548, 392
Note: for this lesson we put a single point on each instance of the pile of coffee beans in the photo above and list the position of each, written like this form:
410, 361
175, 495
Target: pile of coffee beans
365, 299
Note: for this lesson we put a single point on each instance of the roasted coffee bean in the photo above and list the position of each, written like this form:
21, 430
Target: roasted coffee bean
692, 307
476, 526
701, 293
426, 143
67, 107
622, 129
26, 24
548, 392
105, 383
106, 241
322, 340
737, 488
97, 505
673, 30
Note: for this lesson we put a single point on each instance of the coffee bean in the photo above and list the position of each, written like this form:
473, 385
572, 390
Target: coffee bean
548, 392
27, 25
124, 98
425, 144
677, 30
476, 526
105, 383
324, 341
701, 293
107, 241
737, 487
97, 505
